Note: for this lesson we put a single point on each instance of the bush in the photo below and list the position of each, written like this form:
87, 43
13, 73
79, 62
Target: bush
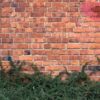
15, 85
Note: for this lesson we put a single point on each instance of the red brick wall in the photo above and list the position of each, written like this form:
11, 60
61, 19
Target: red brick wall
51, 33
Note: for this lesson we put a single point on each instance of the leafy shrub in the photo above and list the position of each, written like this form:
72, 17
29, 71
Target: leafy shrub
15, 85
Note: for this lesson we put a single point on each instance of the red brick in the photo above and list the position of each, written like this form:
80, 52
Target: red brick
37, 14
74, 46
83, 30
6, 11
64, 57
54, 68
54, 0
39, 58
74, 57
54, 19
57, 46
26, 57
39, 40
53, 57
20, 46
73, 52
37, 46
47, 46
74, 68
39, 52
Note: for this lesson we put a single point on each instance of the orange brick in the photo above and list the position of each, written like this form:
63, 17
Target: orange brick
74, 68
74, 46
74, 62
54, 68
26, 58
83, 30
57, 46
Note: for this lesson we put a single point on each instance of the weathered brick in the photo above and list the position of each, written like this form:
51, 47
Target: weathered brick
54, 68
52, 19
6, 11
74, 68
57, 46
74, 46
26, 57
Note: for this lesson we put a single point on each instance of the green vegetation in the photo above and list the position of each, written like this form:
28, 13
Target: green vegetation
15, 85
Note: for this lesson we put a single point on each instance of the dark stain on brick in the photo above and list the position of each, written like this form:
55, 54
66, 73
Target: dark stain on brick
93, 68
27, 52
13, 4
96, 10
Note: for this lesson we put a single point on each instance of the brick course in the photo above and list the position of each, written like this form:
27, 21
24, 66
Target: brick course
51, 33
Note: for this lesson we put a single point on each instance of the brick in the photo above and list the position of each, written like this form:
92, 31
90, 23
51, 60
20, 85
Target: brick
86, 52
39, 52
95, 46
54, 68
74, 62
6, 66
83, 30
47, 46
73, 0
18, 52
54, 40
26, 58
70, 25
7, 40
54, 19
28, 30
35, 35
22, 40
53, 57
58, 14
73, 52
64, 57
19, 9
87, 40
63, 62
57, 46
4, 35
6, 4
73, 40
6, 11
37, 14
74, 68
66, 0
39, 40
37, 45
54, 0
74, 46
59, 51
39, 58
97, 52
20, 46
74, 57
